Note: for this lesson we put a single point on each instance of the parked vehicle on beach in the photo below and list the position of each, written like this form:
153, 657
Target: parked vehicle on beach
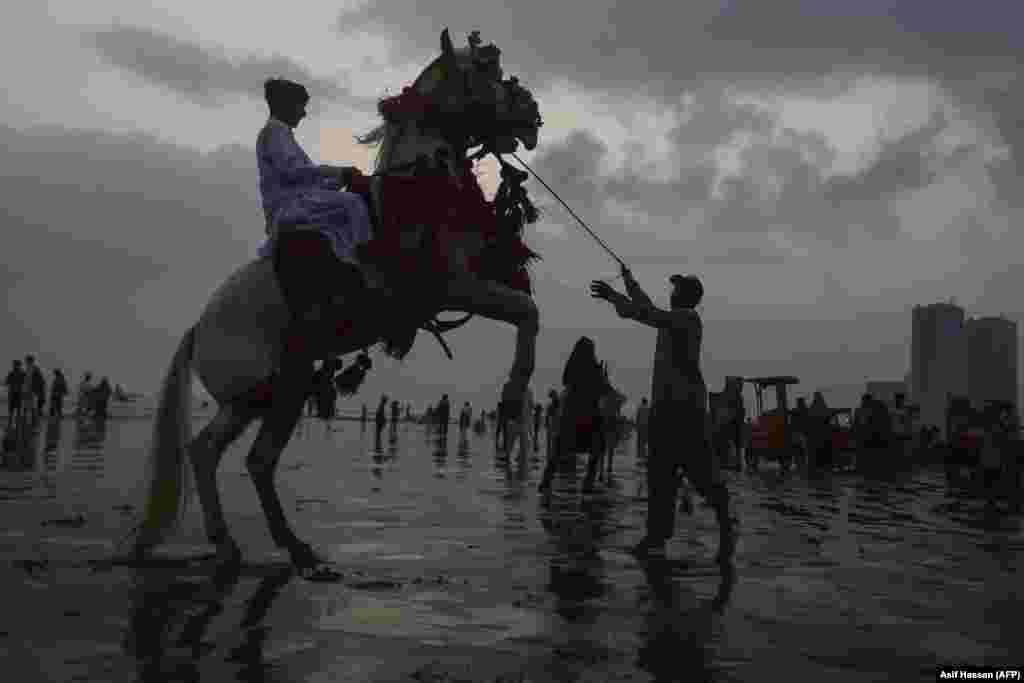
771, 435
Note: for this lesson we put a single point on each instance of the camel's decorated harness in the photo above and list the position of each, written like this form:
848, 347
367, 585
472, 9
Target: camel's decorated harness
449, 203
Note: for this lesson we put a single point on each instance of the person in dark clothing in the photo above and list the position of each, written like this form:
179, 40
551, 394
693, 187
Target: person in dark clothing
801, 420
58, 390
15, 383
820, 431
580, 427
678, 424
323, 388
396, 412
381, 417
103, 393
538, 411
551, 417
35, 398
444, 415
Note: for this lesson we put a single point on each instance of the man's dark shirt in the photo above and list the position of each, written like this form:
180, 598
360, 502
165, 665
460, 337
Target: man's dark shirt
15, 381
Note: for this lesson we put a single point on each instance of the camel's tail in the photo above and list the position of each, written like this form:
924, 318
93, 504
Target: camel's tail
170, 482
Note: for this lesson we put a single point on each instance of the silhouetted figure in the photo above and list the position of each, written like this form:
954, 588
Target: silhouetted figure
36, 398
396, 413
901, 423
103, 392
83, 402
538, 411
996, 446
362, 416
551, 418
580, 425
819, 431
312, 266
516, 428
311, 401
15, 383
800, 423
323, 387
643, 414
381, 417
58, 390
464, 417
444, 415
679, 441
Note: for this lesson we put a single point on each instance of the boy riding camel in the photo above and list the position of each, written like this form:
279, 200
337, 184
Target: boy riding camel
313, 229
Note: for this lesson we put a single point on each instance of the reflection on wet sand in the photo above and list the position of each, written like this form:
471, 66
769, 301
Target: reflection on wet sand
446, 545
677, 634
171, 618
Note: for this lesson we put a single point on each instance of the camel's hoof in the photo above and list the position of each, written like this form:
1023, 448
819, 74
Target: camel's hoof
311, 565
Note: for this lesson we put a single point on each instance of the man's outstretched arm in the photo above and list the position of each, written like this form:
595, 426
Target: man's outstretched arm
643, 311
649, 314
633, 289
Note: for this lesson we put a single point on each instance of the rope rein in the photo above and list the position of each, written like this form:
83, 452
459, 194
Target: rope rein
571, 212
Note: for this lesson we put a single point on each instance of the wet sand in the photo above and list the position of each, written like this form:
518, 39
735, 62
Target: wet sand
455, 570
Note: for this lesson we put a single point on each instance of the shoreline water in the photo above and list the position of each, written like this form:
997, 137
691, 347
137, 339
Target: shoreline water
456, 570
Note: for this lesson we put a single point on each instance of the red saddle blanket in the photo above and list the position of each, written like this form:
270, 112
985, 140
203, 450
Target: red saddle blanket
446, 208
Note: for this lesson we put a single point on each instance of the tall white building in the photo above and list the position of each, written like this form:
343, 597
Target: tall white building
938, 359
991, 360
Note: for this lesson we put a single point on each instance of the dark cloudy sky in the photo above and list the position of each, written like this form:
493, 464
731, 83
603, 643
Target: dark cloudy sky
822, 165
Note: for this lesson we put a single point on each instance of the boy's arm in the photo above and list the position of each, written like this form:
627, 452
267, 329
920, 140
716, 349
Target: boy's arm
293, 166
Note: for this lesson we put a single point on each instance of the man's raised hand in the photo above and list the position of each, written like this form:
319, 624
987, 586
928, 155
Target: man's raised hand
601, 290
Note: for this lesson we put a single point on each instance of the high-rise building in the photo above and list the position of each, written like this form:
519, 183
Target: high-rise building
991, 360
938, 359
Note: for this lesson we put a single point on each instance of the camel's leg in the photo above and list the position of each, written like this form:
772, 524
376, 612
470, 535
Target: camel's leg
498, 302
288, 395
205, 452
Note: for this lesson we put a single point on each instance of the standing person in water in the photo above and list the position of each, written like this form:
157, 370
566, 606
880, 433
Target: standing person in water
580, 425
58, 390
83, 404
538, 412
312, 265
381, 417
678, 429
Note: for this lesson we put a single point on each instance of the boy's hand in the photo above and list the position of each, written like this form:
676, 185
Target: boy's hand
347, 173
